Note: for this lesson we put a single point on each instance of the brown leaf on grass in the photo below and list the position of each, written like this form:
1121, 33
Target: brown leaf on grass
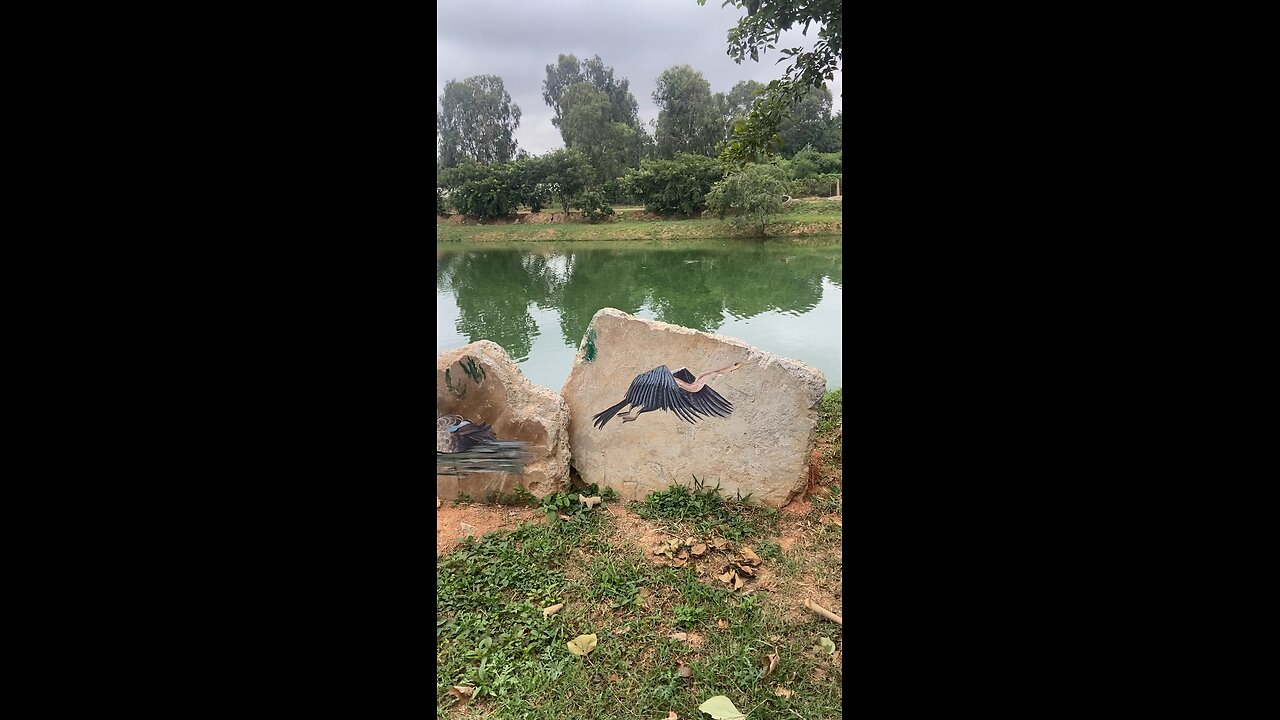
747, 570
622, 630
718, 543
645, 592
751, 557
722, 623
738, 582
699, 549
782, 692
614, 678
549, 611
562, 516
461, 692
695, 639
770, 662
727, 577
682, 637
671, 715
679, 561
582, 644
685, 671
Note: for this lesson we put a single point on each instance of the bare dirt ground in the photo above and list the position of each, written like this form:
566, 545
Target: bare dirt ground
479, 519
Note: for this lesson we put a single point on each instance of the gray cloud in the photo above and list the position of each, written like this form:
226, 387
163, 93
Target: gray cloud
516, 40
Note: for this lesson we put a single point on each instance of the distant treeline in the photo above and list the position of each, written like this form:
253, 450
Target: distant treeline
609, 155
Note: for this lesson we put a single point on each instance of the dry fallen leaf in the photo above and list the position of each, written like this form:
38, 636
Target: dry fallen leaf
671, 715
582, 644
682, 637
695, 639
727, 577
718, 543
590, 502
738, 582
747, 570
770, 662
461, 692
679, 561
699, 548
685, 671
751, 557
722, 623
622, 630
548, 612
562, 516
782, 692
614, 678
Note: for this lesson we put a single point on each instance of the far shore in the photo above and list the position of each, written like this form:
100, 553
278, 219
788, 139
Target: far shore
802, 217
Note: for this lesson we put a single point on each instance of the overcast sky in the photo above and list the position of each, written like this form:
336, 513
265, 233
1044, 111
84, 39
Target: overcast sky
517, 39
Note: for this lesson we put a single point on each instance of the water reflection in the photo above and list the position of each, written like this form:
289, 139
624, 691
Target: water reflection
701, 285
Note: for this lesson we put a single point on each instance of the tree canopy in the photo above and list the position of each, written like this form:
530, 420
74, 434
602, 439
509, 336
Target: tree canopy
477, 121
758, 32
689, 120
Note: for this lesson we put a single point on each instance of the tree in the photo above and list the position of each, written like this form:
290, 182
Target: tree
567, 172
587, 126
621, 108
757, 32
689, 120
528, 179
808, 123
477, 121
755, 192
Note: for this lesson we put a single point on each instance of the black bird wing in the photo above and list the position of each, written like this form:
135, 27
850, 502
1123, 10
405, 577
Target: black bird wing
657, 390
706, 401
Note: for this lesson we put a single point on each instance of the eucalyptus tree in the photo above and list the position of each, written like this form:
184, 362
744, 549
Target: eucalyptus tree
689, 118
477, 121
621, 106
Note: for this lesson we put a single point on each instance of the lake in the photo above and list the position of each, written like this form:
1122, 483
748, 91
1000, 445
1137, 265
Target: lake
536, 299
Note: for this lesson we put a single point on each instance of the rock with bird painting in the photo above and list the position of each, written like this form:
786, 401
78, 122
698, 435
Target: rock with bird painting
653, 404
496, 430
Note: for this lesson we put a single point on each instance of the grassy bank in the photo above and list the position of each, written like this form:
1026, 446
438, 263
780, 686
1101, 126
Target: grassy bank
816, 216
669, 631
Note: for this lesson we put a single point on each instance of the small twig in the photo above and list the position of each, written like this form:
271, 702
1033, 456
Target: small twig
815, 607
793, 712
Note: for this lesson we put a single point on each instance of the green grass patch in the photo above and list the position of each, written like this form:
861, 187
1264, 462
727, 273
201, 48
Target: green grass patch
706, 512
492, 634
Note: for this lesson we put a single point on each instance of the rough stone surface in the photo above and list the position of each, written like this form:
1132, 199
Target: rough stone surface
761, 448
482, 383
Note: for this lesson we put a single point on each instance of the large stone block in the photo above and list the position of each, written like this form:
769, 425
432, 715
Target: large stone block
760, 446
482, 383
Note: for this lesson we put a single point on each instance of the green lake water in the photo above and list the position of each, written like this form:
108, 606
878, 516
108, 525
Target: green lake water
536, 299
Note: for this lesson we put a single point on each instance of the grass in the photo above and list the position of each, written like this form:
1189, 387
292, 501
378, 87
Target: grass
804, 217
703, 511
492, 634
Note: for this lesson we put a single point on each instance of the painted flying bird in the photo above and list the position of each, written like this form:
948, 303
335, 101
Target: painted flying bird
680, 392
455, 433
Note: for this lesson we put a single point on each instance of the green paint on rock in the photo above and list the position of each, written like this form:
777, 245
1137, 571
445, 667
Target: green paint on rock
472, 369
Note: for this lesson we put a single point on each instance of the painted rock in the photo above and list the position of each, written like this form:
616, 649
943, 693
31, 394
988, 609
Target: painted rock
653, 404
482, 383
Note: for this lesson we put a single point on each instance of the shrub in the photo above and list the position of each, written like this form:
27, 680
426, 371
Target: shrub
755, 192
593, 205
674, 187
